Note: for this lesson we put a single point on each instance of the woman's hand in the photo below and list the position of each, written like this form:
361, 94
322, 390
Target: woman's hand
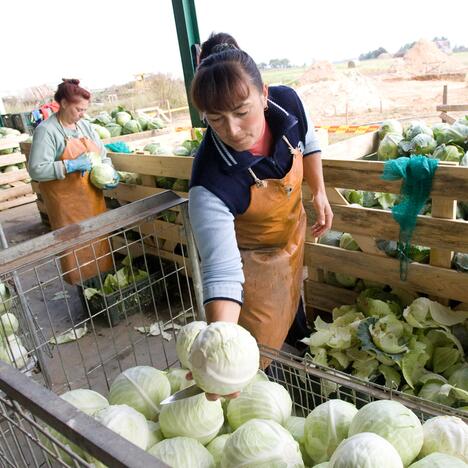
214, 396
324, 214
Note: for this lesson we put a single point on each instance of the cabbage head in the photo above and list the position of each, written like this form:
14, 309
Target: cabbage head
423, 144
448, 153
152, 148
185, 339
416, 127
260, 400
142, 388
102, 132
378, 303
326, 427
194, 417
295, 426
114, 129
125, 421
5, 298
8, 324
261, 443
445, 434
390, 126
122, 118
102, 175
395, 423
13, 352
182, 452
348, 243
155, 124
132, 126
216, 448
439, 460
390, 334
365, 450
224, 358
388, 147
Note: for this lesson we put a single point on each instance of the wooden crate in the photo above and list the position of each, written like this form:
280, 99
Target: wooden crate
441, 232
20, 192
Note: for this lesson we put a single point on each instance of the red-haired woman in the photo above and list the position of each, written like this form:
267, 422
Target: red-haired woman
60, 162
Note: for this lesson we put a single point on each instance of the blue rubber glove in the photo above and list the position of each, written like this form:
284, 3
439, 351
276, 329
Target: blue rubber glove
81, 163
114, 183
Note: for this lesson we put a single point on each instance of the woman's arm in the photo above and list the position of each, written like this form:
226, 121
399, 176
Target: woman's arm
222, 276
42, 164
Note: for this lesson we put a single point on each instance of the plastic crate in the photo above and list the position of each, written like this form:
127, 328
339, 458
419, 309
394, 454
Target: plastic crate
22, 122
7, 121
136, 297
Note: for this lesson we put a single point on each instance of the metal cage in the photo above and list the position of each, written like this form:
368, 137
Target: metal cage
68, 340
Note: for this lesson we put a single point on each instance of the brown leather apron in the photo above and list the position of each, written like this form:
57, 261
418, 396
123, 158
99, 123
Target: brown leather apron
70, 201
271, 235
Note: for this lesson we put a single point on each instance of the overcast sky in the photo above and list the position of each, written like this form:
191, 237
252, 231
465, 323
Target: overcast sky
106, 42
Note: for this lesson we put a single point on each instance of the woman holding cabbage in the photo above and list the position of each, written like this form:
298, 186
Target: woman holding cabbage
245, 198
61, 160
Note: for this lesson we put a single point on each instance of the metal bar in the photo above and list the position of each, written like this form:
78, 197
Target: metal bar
194, 260
75, 234
27, 314
189, 38
78, 427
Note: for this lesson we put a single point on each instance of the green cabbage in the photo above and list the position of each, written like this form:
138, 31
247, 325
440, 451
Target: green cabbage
102, 132
194, 417
416, 127
378, 303
154, 433
260, 400
395, 423
216, 448
365, 450
114, 129
445, 434
388, 147
182, 452
390, 126
326, 427
8, 324
448, 153
102, 175
132, 126
439, 460
178, 379
122, 118
423, 144
224, 358
142, 388
261, 443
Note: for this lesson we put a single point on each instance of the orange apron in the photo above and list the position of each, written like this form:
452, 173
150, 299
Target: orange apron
271, 235
70, 201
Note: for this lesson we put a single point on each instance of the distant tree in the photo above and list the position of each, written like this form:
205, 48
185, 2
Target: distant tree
279, 63
441, 38
460, 48
372, 54
262, 65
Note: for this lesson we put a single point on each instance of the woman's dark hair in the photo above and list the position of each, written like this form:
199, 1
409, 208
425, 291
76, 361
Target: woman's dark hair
214, 40
222, 79
71, 91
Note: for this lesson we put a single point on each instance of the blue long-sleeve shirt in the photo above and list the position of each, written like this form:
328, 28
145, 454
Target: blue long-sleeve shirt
220, 190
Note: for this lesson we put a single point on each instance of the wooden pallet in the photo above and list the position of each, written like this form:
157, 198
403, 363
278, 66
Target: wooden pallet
20, 192
441, 232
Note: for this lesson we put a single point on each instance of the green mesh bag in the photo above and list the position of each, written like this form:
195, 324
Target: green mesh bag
417, 173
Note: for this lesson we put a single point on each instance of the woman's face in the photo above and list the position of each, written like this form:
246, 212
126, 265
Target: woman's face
241, 127
74, 111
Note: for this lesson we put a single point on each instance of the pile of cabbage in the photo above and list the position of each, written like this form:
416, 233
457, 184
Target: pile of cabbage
393, 338
258, 428
447, 142
12, 350
123, 122
5, 133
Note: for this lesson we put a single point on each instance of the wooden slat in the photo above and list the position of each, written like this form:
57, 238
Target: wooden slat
449, 181
17, 202
352, 148
130, 192
9, 159
18, 191
8, 177
422, 278
166, 166
164, 230
326, 297
452, 108
379, 224
447, 118
138, 136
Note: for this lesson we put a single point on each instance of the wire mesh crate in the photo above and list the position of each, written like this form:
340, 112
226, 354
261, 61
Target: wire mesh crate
74, 345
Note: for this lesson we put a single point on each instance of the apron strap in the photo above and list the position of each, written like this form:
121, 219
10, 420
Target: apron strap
259, 183
291, 147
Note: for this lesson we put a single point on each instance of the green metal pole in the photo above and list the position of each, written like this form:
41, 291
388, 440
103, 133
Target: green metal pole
189, 39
